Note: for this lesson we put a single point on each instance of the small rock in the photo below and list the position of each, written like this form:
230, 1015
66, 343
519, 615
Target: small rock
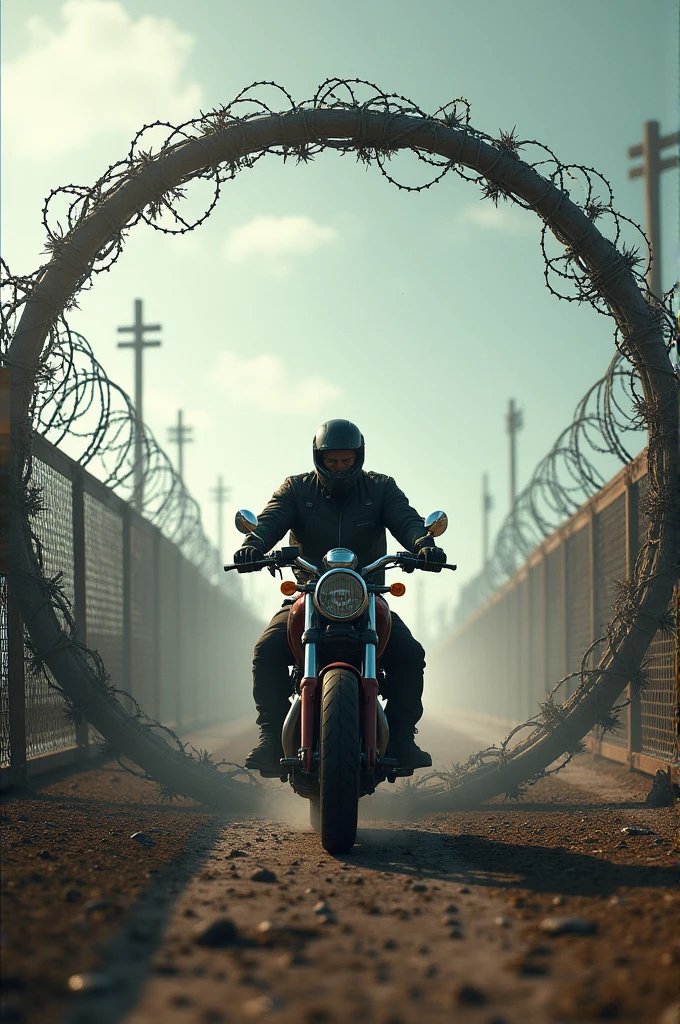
558, 901
322, 908
142, 838
502, 922
418, 887
568, 926
90, 983
114, 779
219, 933
451, 908
469, 995
464, 889
658, 842
390, 944
263, 875
261, 1005
50, 824
671, 1015
618, 901
72, 895
455, 933
96, 906
236, 853
450, 921
637, 830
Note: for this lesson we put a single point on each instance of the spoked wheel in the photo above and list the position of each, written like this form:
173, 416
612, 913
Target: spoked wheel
340, 763
315, 814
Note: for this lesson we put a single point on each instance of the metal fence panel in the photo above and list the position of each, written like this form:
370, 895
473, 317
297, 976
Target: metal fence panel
142, 618
4, 674
658, 701
578, 599
554, 620
611, 567
104, 585
47, 725
170, 636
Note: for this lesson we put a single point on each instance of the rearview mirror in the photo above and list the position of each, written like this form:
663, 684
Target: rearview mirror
436, 523
245, 521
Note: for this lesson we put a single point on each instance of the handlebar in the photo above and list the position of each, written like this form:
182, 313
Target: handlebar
287, 557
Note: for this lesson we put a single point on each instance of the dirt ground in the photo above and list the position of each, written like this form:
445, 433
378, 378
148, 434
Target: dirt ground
438, 919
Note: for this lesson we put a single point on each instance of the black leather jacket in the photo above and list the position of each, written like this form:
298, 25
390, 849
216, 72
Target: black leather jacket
317, 523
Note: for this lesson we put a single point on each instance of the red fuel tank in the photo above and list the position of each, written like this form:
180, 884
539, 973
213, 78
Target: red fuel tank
296, 626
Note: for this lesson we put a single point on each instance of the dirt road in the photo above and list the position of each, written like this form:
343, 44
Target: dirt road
431, 920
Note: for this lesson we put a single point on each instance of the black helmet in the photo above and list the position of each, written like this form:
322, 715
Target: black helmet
331, 436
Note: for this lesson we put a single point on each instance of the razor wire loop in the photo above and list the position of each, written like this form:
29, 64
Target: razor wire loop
68, 375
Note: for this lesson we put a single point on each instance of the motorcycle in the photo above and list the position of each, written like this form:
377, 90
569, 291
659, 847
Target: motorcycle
335, 736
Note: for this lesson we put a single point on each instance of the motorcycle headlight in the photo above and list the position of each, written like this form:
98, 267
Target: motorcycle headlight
341, 595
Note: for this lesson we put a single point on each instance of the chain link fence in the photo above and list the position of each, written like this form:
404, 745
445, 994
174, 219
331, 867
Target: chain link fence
168, 632
510, 653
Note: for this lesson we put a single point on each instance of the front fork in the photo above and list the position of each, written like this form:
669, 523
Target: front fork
369, 687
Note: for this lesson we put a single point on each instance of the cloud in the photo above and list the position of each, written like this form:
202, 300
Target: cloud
275, 238
98, 72
508, 219
264, 383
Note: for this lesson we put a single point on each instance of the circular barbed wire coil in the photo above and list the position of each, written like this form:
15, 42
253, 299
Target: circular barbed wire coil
193, 164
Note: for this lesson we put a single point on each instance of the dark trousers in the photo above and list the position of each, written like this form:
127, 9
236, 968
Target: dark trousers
403, 662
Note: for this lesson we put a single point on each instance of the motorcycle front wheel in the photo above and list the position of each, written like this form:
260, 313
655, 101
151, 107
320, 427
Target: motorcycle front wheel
340, 761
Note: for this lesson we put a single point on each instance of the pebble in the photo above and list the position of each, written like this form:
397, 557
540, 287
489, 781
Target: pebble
219, 933
451, 908
464, 889
322, 908
90, 983
236, 853
671, 1015
469, 995
72, 895
558, 901
637, 830
502, 922
142, 838
618, 901
418, 887
568, 926
263, 875
50, 824
97, 906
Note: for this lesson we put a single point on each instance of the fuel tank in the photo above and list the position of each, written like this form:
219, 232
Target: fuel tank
296, 626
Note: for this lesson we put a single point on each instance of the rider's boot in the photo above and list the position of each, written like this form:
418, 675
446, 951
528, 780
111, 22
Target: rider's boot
265, 756
404, 748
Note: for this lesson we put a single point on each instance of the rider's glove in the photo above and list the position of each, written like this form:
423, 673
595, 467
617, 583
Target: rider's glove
246, 556
433, 556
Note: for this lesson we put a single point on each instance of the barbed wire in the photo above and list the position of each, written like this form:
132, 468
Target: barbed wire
566, 477
73, 395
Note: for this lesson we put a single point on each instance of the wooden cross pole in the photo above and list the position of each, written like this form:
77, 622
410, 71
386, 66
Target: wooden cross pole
650, 169
138, 329
180, 435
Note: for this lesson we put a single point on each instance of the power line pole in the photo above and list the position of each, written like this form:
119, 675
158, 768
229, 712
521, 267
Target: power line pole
139, 344
514, 423
650, 150
487, 505
180, 435
220, 494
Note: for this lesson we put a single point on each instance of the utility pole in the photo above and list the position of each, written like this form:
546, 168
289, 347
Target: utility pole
220, 494
139, 344
487, 505
650, 150
514, 423
180, 435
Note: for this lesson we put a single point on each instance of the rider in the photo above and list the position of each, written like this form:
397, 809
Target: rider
338, 505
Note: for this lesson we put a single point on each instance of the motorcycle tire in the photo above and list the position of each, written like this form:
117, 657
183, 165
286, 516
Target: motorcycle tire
340, 761
315, 814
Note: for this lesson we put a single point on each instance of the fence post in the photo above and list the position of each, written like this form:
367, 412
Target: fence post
127, 600
634, 709
565, 613
156, 626
16, 692
593, 572
180, 576
79, 586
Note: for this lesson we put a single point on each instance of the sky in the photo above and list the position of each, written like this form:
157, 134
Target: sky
320, 290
